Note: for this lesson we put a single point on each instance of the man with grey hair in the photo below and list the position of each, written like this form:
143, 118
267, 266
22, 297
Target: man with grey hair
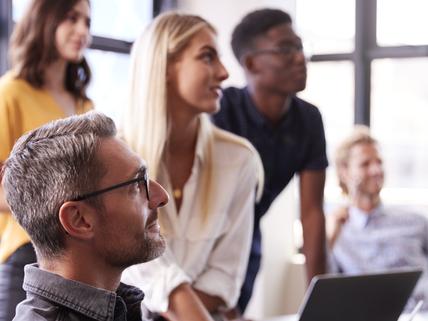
85, 200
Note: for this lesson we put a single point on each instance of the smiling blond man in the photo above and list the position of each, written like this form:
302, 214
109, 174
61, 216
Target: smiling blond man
368, 235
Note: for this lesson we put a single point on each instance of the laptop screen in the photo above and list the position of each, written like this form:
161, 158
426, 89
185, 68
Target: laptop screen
368, 297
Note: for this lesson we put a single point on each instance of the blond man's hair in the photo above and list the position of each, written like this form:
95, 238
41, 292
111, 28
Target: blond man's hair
359, 135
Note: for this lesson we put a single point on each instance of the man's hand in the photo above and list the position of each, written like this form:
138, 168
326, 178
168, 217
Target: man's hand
184, 305
334, 224
234, 315
212, 303
216, 305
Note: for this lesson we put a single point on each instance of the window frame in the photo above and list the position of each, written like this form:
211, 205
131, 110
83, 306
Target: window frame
6, 26
366, 50
98, 42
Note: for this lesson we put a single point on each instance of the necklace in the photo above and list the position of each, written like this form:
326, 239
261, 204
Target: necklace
177, 193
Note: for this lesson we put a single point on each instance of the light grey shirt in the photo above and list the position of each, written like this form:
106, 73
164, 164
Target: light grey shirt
385, 239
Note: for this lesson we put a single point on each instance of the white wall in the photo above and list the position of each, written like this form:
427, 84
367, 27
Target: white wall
282, 275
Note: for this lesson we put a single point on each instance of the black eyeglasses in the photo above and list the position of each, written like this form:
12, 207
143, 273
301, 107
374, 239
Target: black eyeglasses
283, 50
144, 178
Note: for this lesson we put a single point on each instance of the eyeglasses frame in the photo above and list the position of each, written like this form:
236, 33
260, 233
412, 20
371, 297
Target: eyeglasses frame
138, 179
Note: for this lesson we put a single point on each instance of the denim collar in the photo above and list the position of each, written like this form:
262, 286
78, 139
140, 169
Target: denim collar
92, 302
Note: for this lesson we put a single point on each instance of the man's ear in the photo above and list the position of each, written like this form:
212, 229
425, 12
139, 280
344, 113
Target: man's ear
342, 173
252, 64
77, 219
249, 63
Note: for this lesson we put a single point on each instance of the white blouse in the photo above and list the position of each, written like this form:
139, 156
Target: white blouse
208, 251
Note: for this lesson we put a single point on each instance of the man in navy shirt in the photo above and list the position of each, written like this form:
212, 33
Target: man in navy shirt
287, 131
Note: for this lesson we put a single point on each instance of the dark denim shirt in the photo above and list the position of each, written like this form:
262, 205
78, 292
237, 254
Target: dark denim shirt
52, 297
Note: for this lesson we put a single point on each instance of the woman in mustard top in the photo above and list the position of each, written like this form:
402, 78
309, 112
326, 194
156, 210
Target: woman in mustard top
48, 80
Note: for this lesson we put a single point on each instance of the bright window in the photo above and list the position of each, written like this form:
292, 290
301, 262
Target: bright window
402, 22
326, 26
19, 7
399, 120
330, 87
120, 19
108, 88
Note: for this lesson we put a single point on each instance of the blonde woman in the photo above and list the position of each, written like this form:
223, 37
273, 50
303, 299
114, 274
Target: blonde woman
210, 174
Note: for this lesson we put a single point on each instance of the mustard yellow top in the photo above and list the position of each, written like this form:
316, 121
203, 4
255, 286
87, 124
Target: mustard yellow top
22, 108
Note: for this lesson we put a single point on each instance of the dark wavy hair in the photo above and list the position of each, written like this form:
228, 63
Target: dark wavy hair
253, 25
32, 46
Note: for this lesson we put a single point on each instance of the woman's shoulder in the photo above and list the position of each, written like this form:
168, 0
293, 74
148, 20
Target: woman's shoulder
230, 141
10, 84
240, 153
233, 149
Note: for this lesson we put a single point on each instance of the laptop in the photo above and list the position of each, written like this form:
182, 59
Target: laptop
368, 297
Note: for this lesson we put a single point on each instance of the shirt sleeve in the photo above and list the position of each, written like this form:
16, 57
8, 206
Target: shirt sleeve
227, 264
317, 157
157, 279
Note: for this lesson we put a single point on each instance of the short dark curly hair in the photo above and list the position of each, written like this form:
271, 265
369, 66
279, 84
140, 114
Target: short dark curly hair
253, 25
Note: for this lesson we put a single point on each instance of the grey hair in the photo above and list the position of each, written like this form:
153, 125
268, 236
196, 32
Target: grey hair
49, 166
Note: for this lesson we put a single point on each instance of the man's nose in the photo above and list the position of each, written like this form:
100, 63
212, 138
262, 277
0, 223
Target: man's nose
158, 195
376, 168
300, 56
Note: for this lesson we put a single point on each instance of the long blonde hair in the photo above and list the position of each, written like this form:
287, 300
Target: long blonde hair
146, 122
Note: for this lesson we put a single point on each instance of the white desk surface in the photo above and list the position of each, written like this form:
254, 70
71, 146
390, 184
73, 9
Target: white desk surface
404, 317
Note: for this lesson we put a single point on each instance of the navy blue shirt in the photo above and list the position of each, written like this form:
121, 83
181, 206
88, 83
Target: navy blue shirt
296, 143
